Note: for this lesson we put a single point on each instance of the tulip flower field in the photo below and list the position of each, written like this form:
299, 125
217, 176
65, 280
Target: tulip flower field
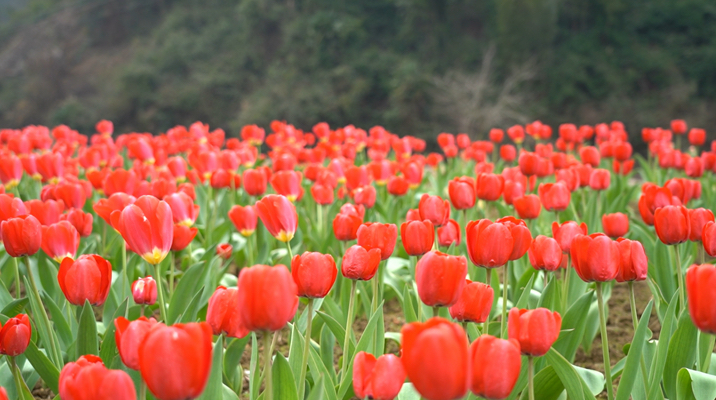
343, 263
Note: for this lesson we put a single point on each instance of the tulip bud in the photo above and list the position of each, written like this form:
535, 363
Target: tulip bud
535, 330
698, 218
565, 233
462, 192
223, 314
434, 209
440, 278
314, 274
528, 207
554, 196
359, 263
144, 291
417, 237
345, 226
224, 250
634, 264
15, 335
376, 235
21, 236
700, 281
449, 234
545, 254
474, 303
672, 224
87, 278
615, 225
489, 187
595, 269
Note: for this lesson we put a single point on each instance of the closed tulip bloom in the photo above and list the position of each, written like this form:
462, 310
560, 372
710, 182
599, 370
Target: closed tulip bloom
268, 297
182, 237
700, 281
495, 366
529, 163
88, 379
365, 196
224, 250
287, 183
708, 237
87, 278
508, 153
489, 244
380, 379
314, 274
435, 209
3, 394
115, 202
545, 254
435, 358
144, 291
672, 224
72, 194
417, 236
255, 181
535, 330
565, 233
615, 225
11, 207
147, 227
60, 240
474, 303
10, 170
345, 226
521, 236
590, 155
449, 234
678, 126
440, 278
223, 314
47, 212
244, 219
129, 335
462, 192
489, 187
119, 181
699, 217
15, 335
528, 207
554, 196
81, 220
378, 236
398, 186
413, 215
634, 264
513, 190
359, 263
184, 211
600, 179
596, 257
697, 136
279, 216
22, 236
321, 194
175, 361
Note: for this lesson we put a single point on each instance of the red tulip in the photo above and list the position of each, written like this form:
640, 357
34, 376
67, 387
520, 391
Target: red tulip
545, 253
3, 394
708, 237
528, 207
378, 236
288, 183
634, 264
678, 126
223, 314
267, 297
435, 358
508, 153
600, 179
255, 181
590, 155
700, 281
47, 212
72, 194
516, 133
279, 216
10, 170
15, 335
554, 196
184, 211
60, 240
462, 192
345, 226
615, 225
321, 194
81, 220
314, 274
11, 207
489, 187
698, 218
182, 237
50, 166
488, 244
435, 209
119, 181
565, 233
380, 379
224, 250
474, 303
521, 236
365, 196
417, 236
449, 234
359, 263
535, 330
495, 366
514, 190
529, 163
147, 228
398, 186
129, 336
87, 278
596, 258
244, 219
672, 224
175, 361
440, 278
144, 291
115, 202
89, 379
21, 235
697, 136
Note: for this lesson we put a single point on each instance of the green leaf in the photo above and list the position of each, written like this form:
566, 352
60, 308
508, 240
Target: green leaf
62, 326
232, 357
108, 348
214, 387
328, 343
317, 393
547, 384
337, 328
15, 307
659, 361
189, 314
594, 380
408, 392
228, 394
87, 332
254, 384
45, 330
681, 353
284, 386
695, 385
575, 318
186, 290
632, 366
567, 374
408, 306
525, 296
43, 366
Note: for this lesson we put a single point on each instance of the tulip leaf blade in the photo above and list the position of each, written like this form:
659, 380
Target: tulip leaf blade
283, 383
681, 353
525, 296
45, 329
659, 361
62, 326
338, 330
43, 366
548, 385
567, 374
234, 350
363, 343
695, 385
185, 291
408, 306
87, 332
189, 314
254, 383
632, 366
214, 386
15, 307
317, 392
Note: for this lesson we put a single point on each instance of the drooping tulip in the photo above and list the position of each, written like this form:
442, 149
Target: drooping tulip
535, 330
378, 236
417, 237
175, 361
278, 215
223, 314
87, 278
634, 264
495, 366
672, 224
15, 335
615, 225
545, 254
359, 263
434, 209
700, 281
22, 236
380, 379
314, 274
474, 303
440, 278
596, 257
268, 297
129, 335
60, 240
435, 358
144, 291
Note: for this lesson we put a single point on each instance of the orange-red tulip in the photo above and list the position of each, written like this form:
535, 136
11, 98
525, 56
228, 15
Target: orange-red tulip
244, 219
435, 209
474, 303
380, 379
449, 234
462, 192
345, 226
700, 282
708, 237
672, 224
288, 183
495, 366
87, 278
119, 181
47, 212
146, 226
11, 207
81, 220
545, 253
489, 187
378, 236
115, 202
554, 196
184, 211
634, 264
89, 379
314, 274
615, 225
535, 330
60, 240
440, 278
224, 250
565, 233
255, 181
322, 194
223, 314
22, 236
278, 215
596, 257
698, 218
15, 335
600, 179
182, 237
268, 297
417, 237
129, 336
528, 207
359, 263
365, 196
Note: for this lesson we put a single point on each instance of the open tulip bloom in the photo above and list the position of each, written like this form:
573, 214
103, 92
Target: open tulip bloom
186, 249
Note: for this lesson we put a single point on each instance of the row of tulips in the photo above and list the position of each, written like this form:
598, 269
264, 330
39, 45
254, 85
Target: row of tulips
155, 275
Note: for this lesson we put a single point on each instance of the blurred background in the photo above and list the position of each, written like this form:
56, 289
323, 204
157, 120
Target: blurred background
416, 67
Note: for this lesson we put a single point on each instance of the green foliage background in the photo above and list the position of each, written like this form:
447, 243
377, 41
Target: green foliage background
151, 64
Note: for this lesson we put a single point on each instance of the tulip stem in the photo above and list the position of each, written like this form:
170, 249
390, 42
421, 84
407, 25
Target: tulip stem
531, 376
306, 348
19, 382
142, 390
45, 320
290, 252
436, 311
707, 362
349, 330
635, 322
268, 391
209, 222
17, 279
171, 274
605, 341
160, 294
565, 297
124, 269
503, 323
680, 276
